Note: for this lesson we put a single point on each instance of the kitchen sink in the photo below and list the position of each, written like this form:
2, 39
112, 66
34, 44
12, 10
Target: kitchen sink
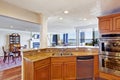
62, 54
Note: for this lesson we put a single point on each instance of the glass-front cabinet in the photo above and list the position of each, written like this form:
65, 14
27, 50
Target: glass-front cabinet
14, 42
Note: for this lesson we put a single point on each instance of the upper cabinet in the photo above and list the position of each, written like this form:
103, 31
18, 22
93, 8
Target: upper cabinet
116, 23
109, 24
105, 25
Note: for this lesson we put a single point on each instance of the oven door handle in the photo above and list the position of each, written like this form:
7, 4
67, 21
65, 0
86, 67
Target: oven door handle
109, 55
112, 57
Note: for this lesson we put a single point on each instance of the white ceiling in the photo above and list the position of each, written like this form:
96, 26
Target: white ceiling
78, 10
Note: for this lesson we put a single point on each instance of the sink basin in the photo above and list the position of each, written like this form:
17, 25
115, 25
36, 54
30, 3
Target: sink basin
62, 54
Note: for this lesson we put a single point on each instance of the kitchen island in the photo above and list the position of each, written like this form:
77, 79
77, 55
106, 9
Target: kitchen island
50, 64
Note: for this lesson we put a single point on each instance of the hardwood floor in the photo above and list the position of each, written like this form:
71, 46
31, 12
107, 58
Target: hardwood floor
11, 74
15, 74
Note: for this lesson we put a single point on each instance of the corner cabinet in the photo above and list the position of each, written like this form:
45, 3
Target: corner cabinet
38, 70
109, 24
63, 68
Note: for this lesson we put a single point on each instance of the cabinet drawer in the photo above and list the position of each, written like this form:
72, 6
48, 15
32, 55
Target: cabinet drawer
41, 62
63, 59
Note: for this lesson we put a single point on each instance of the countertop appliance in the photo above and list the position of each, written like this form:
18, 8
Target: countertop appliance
85, 68
109, 57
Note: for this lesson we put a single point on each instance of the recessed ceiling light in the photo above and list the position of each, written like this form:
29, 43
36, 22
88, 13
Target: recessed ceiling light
84, 19
66, 12
61, 18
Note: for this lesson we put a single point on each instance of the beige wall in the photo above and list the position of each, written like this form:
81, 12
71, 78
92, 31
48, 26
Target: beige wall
19, 13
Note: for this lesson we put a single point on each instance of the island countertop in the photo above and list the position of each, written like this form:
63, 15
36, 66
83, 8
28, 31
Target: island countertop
43, 61
39, 56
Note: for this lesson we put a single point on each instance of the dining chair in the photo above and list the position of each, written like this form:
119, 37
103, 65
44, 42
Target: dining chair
7, 55
17, 53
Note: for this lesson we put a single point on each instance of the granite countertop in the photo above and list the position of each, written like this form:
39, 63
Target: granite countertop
75, 47
35, 57
32, 49
40, 56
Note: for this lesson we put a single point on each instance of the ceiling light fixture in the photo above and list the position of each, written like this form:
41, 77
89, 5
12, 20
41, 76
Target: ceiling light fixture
61, 18
84, 19
66, 12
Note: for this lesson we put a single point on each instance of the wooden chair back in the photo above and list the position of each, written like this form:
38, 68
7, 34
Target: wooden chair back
5, 53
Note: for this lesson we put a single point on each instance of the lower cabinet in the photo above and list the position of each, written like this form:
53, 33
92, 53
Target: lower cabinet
96, 66
69, 71
56, 71
37, 70
42, 73
54, 68
63, 68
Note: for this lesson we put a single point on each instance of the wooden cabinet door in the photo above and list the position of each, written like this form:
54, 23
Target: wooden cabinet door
116, 24
96, 66
57, 71
105, 25
70, 71
42, 73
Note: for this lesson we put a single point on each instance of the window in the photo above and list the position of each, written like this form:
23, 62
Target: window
72, 39
62, 39
88, 37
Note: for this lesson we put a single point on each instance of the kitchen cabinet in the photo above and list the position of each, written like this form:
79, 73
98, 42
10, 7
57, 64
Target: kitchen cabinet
69, 70
56, 71
116, 23
105, 25
63, 68
109, 76
38, 70
96, 66
42, 73
109, 24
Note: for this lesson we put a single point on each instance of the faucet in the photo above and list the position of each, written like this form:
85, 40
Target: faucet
62, 51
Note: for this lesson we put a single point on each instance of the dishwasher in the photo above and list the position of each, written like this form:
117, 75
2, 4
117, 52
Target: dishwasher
85, 67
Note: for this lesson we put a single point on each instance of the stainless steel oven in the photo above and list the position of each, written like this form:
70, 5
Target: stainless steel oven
109, 57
